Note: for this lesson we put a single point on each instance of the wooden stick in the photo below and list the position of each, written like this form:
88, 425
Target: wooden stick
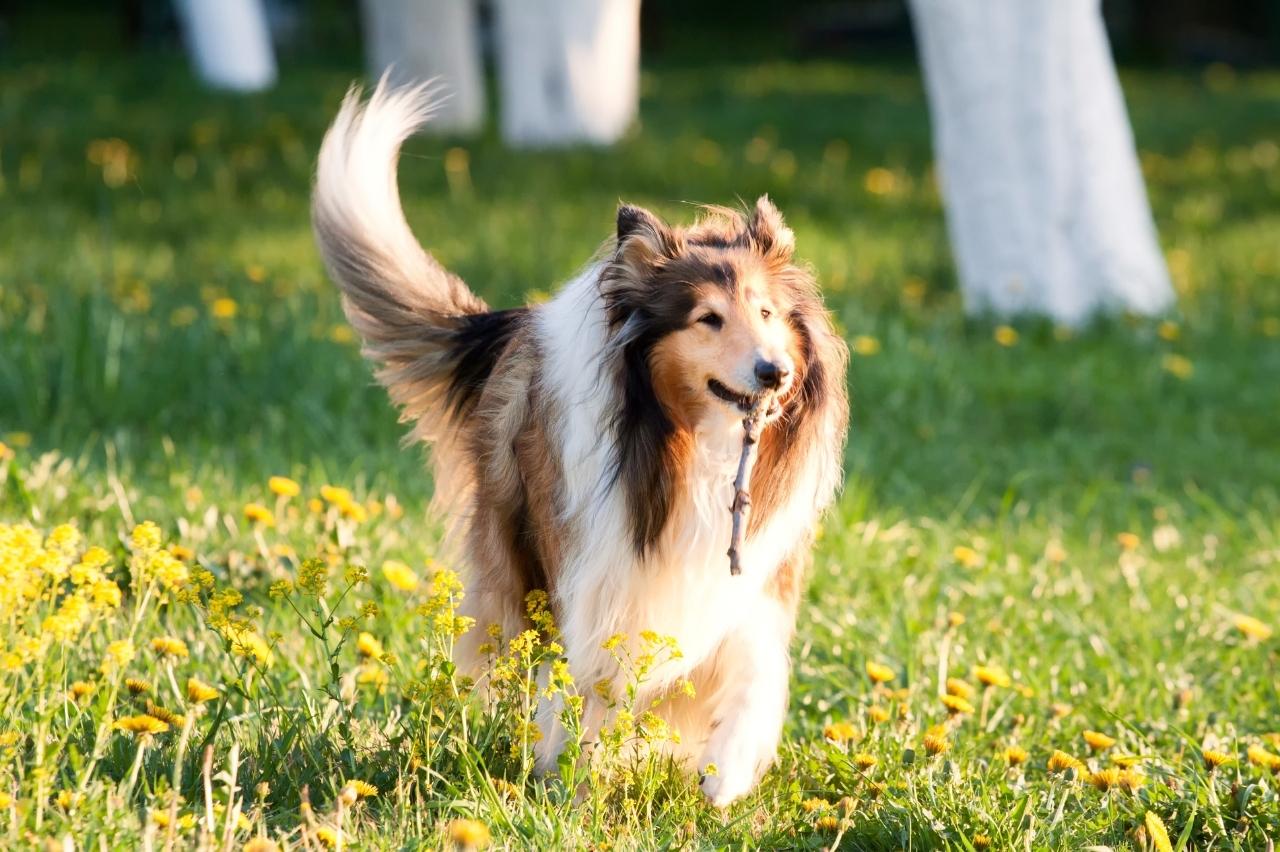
741, 507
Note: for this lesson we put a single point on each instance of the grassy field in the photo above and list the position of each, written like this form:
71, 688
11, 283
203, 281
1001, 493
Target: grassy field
1087, 520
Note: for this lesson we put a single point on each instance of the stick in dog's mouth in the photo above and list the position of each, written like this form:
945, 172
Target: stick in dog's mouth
741, 509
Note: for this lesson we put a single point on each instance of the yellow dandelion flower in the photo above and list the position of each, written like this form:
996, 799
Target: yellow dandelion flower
992, 676
966, 556
1213, 759
1252, 627
137, 685
1060, 761
329, 836
1098, 741
1126, 760
469, 834
169, 646
1131, 780
354, 511
1169, 330
283, 486
1105, 779
1005, 335
1058, 710
400, 575
1157, 832
813, 805
1179, 366
246, 643
260, 844
259, 514
363, 789
10, 738
142, 725
369, 646
980, 841
1259, 756
959, 688
956, 705
936, 743
826, 823
879, 181
862, 760
879, 672
224, 308
198, 692
5, 452
81, 689
955, 619
6, 801
182, 552
315, 505
839, 732
865, 345
335, 494
166, 715
1015, 755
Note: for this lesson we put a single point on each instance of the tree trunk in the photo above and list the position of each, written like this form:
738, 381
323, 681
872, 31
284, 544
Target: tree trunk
1045, 202
569, 70
229, 42
420, 40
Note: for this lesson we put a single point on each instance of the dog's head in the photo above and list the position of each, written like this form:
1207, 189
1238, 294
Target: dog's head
712, 315
704, 320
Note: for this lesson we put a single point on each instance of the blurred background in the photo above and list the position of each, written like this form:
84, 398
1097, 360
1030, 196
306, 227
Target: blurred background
163, 311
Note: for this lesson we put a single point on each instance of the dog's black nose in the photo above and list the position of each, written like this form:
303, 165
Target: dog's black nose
769, 374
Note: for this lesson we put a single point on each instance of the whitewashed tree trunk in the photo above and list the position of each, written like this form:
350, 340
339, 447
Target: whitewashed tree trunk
569, 70
419, 40
229, 42
1045, 201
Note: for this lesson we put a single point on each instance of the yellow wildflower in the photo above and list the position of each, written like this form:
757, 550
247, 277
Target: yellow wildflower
1006, 335
145, 536
259, 514
980, 841
81, 689
182, 552
1259, 756
246, 643
959, 688
1213, 759
354, 511
119, 654
198, 692
328, 836
1252, 627
1098, 741
879, 672
260, 844
1128, 540
363, 789
812, 805
877, 714
862, 760
1015, 755
369, 646
826, 823
1059, 710
865, 345
1060, 761
315, 505
166, 715
224, 308
142, 725
283, 486
1158, 833
169, 646
966, 556
1168, 330
469, 834
935, 742
956, 705
955, 619
1179, 366
137, 685
992, 676
399, 575
335, 494
840, 732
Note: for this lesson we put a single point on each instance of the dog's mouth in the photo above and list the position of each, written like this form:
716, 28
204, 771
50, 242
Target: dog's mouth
741, 401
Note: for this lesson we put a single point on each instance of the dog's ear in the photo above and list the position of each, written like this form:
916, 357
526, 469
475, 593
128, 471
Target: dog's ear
642, 236
768, 232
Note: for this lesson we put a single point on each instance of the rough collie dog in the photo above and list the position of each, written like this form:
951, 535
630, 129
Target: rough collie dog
587, 446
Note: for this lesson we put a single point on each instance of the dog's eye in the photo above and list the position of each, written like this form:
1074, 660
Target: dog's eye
712, 320
766, 313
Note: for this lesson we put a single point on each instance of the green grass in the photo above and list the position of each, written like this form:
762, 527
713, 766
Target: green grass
124, 398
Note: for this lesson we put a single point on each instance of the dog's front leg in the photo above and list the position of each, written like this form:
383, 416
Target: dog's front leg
750, 706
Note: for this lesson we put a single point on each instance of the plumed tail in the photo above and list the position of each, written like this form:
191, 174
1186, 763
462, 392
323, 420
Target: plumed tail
406, 307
